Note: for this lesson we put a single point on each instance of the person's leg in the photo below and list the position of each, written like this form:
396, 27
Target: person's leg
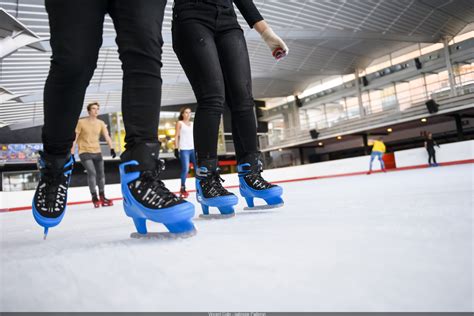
76, 36
434, 158
194, 45
234, 60
99, 168
382, 163
184, 156
430, 157
193, 159
88, 163
372, 157
138, 24
140, 42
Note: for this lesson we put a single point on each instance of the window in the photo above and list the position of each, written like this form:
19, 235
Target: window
403, 95
352, 107
417, 90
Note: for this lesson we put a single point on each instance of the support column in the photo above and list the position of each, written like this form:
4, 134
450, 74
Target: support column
119, 129
301, 150
449, 66
459, 128
359, 94
365, 139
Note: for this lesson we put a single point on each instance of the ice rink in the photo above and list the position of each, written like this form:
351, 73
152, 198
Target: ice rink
400, 241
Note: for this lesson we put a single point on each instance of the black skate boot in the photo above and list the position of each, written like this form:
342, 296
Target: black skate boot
49, 202
253, 185
147, 198
210, 192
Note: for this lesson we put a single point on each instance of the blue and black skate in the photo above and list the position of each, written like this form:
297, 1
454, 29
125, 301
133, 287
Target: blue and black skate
211, 193
145, 196
50, 199
252, 185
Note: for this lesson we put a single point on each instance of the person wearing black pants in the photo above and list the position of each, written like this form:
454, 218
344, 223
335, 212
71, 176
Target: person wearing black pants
76, 37
430, 144
212, 50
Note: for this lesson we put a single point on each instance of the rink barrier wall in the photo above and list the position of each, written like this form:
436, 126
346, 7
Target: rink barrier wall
447, 152
447, 155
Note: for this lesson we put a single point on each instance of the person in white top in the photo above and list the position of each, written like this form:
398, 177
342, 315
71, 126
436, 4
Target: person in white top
184, 146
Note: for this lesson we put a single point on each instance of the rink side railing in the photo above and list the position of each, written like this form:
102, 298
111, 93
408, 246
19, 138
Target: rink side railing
301, 134
449, 154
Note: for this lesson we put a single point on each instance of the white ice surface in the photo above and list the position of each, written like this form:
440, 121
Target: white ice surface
399, 241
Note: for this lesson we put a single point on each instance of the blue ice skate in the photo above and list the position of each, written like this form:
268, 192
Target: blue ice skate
211, 193
50, 199
252, 185
146, 197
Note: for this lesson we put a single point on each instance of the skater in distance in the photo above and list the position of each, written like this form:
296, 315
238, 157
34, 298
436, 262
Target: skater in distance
430, 144
184, 146
88, 132
378, 150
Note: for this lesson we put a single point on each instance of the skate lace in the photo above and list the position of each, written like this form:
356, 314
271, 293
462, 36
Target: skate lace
156, 189
257, 181
53, 190
213, 185
151, 180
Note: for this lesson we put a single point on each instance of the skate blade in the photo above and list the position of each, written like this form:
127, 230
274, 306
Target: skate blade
216, 216
263, 207
164, 235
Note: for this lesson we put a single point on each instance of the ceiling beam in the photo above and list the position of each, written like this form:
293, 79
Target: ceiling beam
309, 34
108, 41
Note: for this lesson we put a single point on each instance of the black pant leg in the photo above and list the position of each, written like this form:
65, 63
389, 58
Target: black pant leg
138, 24
76, 36
235, 64
193, 43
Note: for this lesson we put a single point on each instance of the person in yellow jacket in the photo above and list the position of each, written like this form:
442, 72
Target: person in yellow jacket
378, 150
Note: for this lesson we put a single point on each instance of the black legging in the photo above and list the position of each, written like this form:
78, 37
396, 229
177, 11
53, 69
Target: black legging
76, 36
211, 48
431, 156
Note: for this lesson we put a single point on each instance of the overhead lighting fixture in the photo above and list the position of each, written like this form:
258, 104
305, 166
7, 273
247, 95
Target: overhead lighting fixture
424, 120
279, 149
339, 137
389, 130
320, 144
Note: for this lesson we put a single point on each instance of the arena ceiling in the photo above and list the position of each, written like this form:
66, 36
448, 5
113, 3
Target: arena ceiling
326, 38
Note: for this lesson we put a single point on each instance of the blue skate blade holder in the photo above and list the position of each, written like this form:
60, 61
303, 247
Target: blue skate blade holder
225, 204
177, 218
272, 196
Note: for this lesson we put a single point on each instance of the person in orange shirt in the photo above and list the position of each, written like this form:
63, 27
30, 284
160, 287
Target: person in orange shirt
88, 131
378, 151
